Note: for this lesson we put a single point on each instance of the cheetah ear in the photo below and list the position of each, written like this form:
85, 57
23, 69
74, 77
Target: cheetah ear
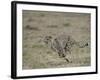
50, 37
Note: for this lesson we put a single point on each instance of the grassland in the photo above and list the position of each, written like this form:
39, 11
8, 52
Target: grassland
38, 24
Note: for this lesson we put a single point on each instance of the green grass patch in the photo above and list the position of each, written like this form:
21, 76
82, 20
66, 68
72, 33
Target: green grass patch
66, 24
42, 15
37, 46
28, 27
52, 26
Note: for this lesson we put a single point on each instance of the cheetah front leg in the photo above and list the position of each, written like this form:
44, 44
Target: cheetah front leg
63, 56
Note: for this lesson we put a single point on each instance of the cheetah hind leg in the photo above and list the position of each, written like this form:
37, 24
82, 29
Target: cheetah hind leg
67, 60
64, 57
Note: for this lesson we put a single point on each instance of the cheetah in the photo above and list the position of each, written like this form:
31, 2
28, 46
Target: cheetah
62, 44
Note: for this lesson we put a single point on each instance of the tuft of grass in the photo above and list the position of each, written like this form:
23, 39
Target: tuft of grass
30, 20
31, 28
24, 54
82, 51
42, 15
37, 46
38, 65
49, 52
25, 46
52, 26
66, 24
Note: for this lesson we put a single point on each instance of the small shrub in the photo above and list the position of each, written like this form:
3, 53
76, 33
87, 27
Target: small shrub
66, 24
30, 20
32, 28
52, 26
49, 52
37, 46
42, 15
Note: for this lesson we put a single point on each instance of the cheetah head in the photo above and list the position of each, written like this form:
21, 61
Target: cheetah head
47, 39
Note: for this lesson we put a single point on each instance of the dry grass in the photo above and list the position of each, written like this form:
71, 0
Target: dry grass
52, 26
28, 27
66, 24
38, 55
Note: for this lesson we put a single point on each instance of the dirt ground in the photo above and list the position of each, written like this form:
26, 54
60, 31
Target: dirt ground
38, 24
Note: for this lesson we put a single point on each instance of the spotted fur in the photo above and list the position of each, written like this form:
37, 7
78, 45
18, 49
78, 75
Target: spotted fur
62, 44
